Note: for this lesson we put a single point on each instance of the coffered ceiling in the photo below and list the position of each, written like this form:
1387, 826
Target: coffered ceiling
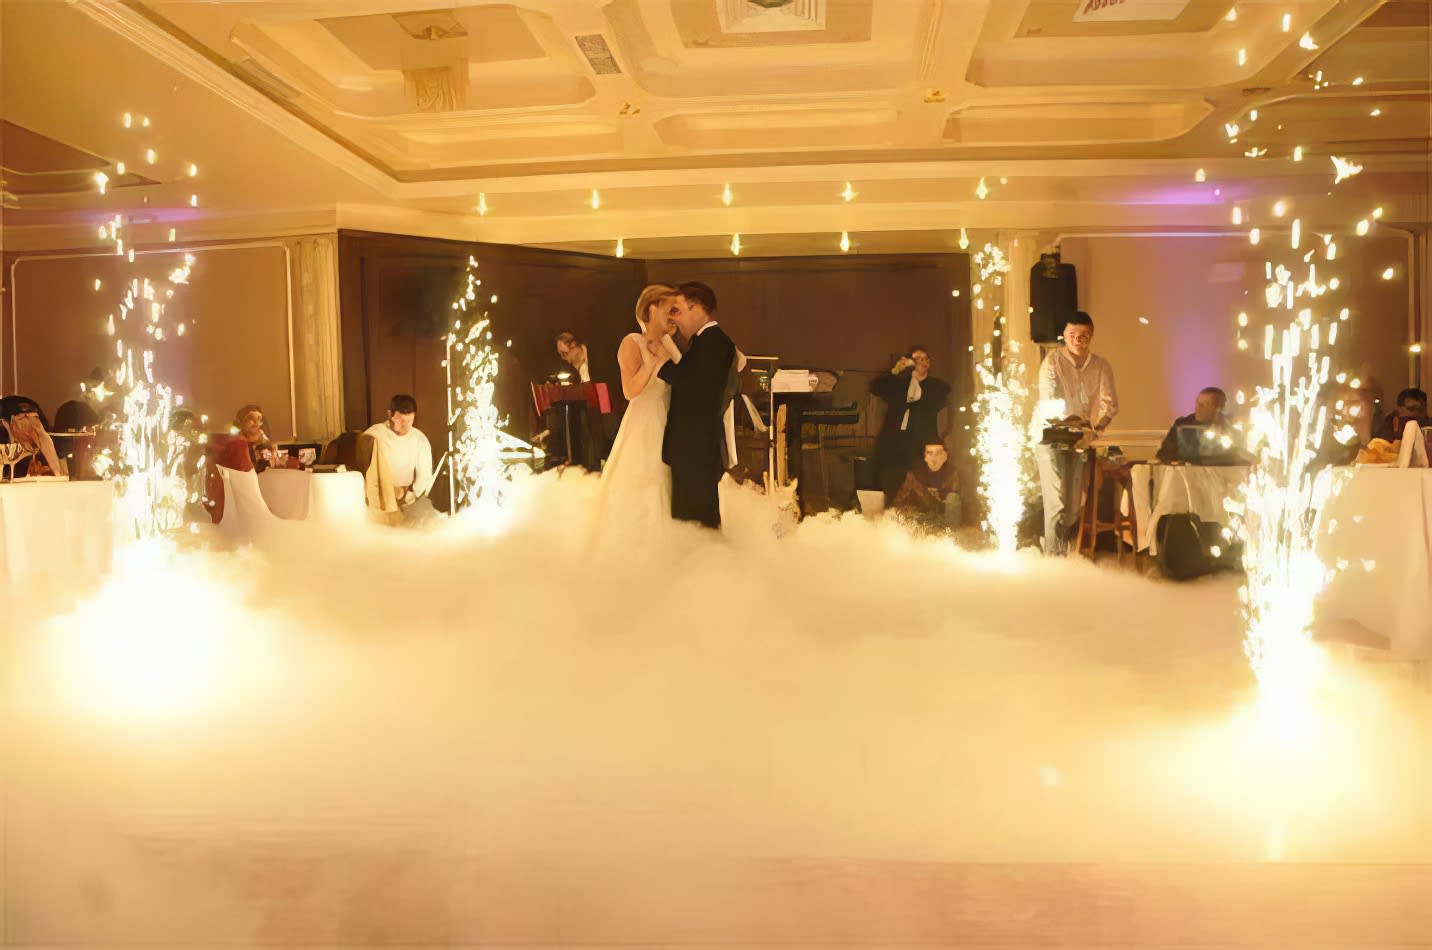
1073, 113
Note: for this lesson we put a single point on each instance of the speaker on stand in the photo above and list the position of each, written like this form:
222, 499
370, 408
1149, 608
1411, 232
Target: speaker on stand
1053, 298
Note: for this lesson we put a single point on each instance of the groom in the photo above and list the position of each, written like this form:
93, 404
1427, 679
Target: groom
695, 436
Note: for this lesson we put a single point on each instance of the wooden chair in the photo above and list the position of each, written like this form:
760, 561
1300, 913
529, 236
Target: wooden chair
1114, 479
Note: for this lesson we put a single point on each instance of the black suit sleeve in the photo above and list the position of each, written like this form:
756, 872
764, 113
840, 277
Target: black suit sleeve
705, 365
891, 387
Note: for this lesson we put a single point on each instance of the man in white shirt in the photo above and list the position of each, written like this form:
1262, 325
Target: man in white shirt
1077, 388
405, 450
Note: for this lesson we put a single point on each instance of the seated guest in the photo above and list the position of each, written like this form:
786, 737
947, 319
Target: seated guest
930, 493
402, 461
1207, 412
76, 416
1411, 407
574, 353
251, 450
22, 423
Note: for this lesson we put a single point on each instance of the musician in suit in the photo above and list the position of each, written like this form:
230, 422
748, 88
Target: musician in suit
913, 400
693, 442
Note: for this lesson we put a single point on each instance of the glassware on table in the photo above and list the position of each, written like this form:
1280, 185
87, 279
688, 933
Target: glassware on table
10, 455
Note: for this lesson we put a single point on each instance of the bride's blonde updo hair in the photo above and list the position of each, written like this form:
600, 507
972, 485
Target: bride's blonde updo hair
649, 296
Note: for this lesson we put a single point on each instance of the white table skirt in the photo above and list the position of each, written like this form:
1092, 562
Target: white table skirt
1160, 490
297, 495
1383, 519
1384, 516
55, 529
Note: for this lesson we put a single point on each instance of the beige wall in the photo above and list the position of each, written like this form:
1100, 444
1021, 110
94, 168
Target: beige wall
236, 351
1190, 289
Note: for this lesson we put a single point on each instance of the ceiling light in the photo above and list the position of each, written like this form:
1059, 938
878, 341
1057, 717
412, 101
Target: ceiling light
150, 157
844, 242
1237, 215
726, 195
736, 244
1254, 236
848, 193
1363, 227
1357, 81
1144, 320
119, 168
1242, 57
1389, 274
1252, 115
1280, 208
1306, 42
596, 200
1287, 22
621, 248
982, 190
128, 120
1004, 181
193, 170
101, 180
193, 201
144, 121
1200, 175
1377, 214
1232, 15
1243, 319
964, 240
482, 204
1375, 113
1297, 153
1415, 348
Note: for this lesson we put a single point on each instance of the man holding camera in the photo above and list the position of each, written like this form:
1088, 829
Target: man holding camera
1077, 397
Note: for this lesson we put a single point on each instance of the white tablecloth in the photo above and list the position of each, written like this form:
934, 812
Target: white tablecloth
1160, 490
304, 496
1384, 517
53, 530
1383, 520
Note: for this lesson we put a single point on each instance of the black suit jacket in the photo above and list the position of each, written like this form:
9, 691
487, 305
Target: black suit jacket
924, 412
694, 432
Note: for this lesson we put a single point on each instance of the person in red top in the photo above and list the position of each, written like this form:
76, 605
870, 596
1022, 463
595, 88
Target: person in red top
251, 449
248, 450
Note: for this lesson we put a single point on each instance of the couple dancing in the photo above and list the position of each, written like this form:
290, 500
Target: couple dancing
670, 451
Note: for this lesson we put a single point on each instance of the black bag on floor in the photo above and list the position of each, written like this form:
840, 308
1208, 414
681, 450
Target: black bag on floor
1184, 542
1190, 547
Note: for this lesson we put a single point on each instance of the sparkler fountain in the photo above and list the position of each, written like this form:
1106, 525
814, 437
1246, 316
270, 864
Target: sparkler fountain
1001, 442
148, 457
476, 474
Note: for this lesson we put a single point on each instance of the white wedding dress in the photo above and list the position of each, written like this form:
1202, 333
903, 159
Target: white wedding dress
635, 497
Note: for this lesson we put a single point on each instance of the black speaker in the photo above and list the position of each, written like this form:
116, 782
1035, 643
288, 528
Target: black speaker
1053, 298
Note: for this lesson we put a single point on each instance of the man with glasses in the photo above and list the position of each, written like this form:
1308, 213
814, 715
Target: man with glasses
1076, 389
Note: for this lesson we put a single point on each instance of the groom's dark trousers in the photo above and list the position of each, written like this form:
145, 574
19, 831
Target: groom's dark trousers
692, 445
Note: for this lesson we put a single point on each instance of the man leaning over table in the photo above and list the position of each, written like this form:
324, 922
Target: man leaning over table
1076, 388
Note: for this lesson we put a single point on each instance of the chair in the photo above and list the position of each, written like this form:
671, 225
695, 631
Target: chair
1114, 479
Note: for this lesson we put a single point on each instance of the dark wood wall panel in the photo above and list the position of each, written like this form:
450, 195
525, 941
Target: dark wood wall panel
394, 289
841, 313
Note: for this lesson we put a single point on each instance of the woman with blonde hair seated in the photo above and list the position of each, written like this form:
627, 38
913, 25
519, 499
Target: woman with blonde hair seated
22, 423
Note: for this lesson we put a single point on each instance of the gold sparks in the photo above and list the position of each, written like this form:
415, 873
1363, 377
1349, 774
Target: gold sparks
1345, 168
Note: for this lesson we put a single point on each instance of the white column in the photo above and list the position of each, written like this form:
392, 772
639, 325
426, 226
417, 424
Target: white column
317, 359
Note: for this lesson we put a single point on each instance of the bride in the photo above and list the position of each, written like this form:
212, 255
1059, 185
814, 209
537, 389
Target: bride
635, 498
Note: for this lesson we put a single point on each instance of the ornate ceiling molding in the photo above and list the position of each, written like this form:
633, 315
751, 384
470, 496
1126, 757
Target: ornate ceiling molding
132, 24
